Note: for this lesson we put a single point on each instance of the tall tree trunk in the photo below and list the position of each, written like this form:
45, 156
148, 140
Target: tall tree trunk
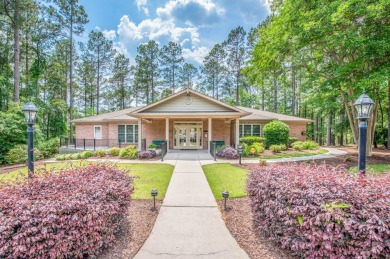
341, 141
321, 130
293, 90
388, 116
71, 74
238, 88
16, 52
98, 83
316, 129
329, 131
275, 93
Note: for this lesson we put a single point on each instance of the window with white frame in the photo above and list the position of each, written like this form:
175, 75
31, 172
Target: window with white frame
97, 133
250, 130
128, 133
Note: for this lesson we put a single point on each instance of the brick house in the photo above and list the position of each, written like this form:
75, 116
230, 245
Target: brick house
187, 120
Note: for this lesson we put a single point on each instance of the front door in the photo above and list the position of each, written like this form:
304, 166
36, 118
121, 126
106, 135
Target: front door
188, 135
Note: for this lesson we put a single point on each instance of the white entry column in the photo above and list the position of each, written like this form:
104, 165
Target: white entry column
237, 133
139, 134
210, 135
167, 131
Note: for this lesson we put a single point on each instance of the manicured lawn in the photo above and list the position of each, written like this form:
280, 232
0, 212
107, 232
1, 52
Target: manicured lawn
375, 169
226, 177
147, 176
295, 154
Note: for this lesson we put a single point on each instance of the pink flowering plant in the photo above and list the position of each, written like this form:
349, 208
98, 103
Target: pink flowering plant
73, 213
319, 211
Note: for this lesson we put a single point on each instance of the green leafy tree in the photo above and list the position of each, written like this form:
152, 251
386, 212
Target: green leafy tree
171, 61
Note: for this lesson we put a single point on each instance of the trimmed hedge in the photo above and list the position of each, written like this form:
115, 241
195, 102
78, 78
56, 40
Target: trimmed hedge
70, 214
276, 132
249, 140
322, 212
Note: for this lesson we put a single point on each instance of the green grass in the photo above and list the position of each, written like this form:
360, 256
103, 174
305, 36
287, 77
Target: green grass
376, 169
294, 154
226, 177
147, 176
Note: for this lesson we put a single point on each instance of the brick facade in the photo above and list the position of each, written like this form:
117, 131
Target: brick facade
155, 130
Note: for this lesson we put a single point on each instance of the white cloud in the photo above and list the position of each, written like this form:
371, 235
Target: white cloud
142, 5
167, 10
152, 29
196, 53
110, 35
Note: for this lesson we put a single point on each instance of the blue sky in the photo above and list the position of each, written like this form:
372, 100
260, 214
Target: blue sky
196, 24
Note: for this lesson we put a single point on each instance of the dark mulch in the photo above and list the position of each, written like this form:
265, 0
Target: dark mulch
135, 230
378, 157
238, 219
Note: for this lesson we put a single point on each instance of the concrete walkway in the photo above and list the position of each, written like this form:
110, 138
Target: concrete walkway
189, 224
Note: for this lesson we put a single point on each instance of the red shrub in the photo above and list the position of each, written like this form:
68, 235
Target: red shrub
70, 214
322, 212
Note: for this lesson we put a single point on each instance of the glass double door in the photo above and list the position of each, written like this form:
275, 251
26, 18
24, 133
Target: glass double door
188, 136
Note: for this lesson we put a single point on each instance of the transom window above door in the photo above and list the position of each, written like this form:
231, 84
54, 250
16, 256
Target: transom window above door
128, 133
250, 130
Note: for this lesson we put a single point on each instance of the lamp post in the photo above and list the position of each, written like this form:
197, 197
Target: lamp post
154, 194
225, 195
363, 107
30, 113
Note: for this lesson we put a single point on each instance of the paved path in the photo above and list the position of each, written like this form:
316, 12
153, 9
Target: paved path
189, 224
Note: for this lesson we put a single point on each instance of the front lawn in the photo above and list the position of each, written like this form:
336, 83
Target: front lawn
375, 169
147, 176
226, 177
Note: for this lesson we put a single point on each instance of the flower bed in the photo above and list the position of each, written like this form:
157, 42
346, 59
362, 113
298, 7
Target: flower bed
70, 214
322, 212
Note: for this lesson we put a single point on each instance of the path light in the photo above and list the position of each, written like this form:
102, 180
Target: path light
30, 113
363, 107
225, 195
154, 193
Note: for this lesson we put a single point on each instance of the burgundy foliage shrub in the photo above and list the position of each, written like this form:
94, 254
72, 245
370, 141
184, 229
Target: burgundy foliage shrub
70, 214
228, 152
147, 153
322, 212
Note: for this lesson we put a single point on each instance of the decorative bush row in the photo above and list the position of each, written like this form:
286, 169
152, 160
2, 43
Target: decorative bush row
228, 152
259, 148
299, 145
147, 153
75, 156
70, 214
249, 140
322, 212
278, 148
276, 132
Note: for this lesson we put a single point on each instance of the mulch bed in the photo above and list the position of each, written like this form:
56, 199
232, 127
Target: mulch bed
135, 230
238, 219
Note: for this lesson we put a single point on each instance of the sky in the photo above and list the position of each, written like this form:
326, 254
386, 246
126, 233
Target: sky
196, 24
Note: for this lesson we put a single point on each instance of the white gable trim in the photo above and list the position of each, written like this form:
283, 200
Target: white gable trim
232, 108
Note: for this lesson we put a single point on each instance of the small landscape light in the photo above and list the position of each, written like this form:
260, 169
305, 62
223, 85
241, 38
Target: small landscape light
154, 193
225, 195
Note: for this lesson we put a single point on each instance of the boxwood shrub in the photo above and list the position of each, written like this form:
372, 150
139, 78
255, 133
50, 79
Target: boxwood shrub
292, 140
18, 154
114, 151
322, 212
276, 132
100, 153
71, 214
249, 140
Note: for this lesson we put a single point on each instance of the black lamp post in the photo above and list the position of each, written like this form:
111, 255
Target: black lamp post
363, 106
30, 113
225, 195
154, 194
